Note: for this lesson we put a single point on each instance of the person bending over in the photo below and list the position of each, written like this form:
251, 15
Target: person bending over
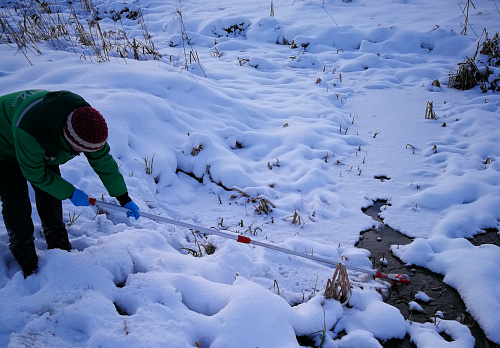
39, 130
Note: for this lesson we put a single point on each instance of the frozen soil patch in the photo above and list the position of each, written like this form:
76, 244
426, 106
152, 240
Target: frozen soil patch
490, 236
428, 297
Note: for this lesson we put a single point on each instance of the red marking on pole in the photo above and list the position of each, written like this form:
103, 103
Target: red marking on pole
403, 278
243, 239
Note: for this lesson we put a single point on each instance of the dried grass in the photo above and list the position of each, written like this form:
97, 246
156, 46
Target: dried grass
491, 49
429, 111
339, 287
32, 22
466, 76
296, 218
477, 70
263, 205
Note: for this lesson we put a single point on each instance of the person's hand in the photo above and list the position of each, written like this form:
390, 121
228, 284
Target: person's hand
79, 198
134, 209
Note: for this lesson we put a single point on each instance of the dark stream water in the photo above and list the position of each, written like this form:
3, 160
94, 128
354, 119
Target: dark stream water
444, 298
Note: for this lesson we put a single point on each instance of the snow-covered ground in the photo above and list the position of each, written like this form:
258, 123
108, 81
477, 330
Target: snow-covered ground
306, 127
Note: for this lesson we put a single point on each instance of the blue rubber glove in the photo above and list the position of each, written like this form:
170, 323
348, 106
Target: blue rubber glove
134, 209
79, 198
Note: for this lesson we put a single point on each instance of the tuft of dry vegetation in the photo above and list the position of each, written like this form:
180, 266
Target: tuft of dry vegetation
482, 69
208, 247
429, 111
148, 163
339, 287
196, 150
467, 75
263, 205
296, 219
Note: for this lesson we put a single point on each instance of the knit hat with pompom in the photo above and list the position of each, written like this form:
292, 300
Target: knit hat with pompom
86, 130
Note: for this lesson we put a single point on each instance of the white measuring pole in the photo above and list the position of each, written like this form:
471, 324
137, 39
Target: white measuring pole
398, 278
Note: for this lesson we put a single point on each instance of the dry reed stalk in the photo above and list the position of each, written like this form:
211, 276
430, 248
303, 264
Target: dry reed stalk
339, 287
429, 111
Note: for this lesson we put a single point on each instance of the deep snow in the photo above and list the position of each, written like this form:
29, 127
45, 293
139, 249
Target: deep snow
308, 129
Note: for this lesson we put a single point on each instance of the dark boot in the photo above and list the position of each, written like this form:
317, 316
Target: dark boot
26, 257
57, 238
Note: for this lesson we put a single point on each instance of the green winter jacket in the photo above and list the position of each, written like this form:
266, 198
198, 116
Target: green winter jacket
31, 132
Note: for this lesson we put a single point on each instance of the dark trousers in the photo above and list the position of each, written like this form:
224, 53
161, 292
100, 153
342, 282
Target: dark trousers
16, 211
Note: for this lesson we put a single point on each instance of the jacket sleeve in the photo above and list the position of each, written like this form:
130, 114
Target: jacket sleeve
30, 157
105, 166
